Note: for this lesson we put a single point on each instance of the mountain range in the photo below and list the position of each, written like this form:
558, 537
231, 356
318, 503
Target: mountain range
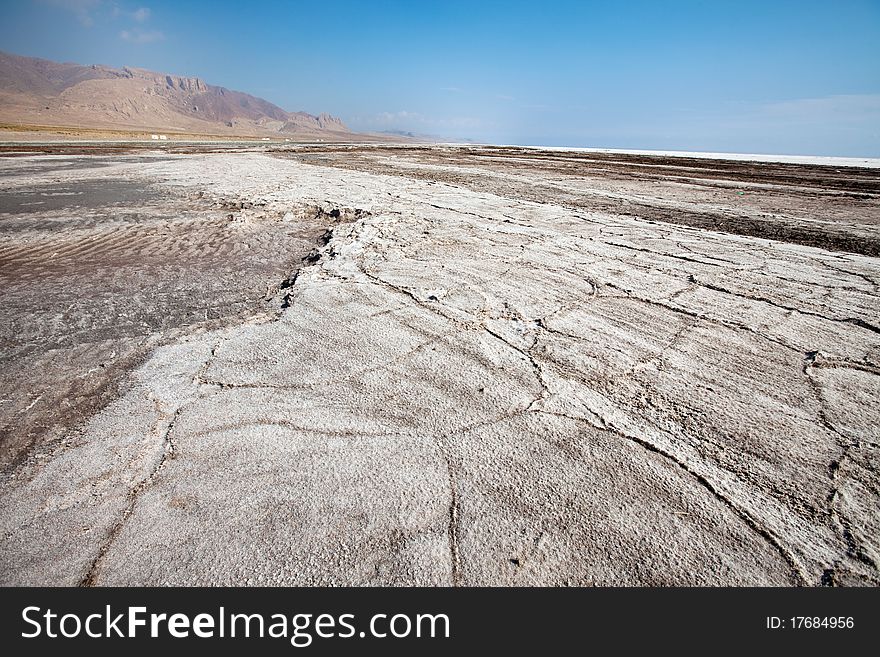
38, 92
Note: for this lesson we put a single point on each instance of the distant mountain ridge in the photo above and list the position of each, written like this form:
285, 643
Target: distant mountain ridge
41, 92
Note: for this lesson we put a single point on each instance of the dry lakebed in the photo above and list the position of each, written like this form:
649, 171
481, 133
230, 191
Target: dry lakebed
437, 365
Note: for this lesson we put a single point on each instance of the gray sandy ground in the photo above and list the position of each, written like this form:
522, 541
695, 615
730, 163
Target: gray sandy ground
474, 380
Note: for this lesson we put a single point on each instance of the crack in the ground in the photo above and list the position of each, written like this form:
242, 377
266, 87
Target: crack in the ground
452, 526
680, 244
528, 356
661, 254
816, 360
670, 344
842, 524
867, 279
91, 577
796, 568
684, 311
847, 320
411, 295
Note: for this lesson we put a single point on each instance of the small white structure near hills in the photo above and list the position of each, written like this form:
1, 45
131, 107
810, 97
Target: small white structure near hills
163, 136
154, 136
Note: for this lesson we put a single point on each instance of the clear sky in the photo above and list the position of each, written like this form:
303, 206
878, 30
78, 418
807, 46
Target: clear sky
796, 77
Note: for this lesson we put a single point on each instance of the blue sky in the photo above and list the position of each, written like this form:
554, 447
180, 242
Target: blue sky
771, 77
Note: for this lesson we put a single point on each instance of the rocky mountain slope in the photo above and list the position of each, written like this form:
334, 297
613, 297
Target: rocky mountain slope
40, 92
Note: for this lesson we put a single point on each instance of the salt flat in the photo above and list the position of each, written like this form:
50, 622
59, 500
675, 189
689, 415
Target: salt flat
866, 162
494, 368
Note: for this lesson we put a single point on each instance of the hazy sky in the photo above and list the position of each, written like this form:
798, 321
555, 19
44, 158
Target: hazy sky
774, 77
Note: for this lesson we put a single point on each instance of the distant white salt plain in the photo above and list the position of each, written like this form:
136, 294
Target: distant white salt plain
867, 162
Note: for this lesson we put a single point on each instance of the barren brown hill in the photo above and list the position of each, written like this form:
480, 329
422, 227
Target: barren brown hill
40, 92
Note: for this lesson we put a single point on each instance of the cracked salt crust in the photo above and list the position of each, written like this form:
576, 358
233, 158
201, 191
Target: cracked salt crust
590, 400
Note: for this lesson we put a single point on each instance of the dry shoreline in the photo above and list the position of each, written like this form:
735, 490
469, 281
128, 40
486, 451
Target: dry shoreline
439, 366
